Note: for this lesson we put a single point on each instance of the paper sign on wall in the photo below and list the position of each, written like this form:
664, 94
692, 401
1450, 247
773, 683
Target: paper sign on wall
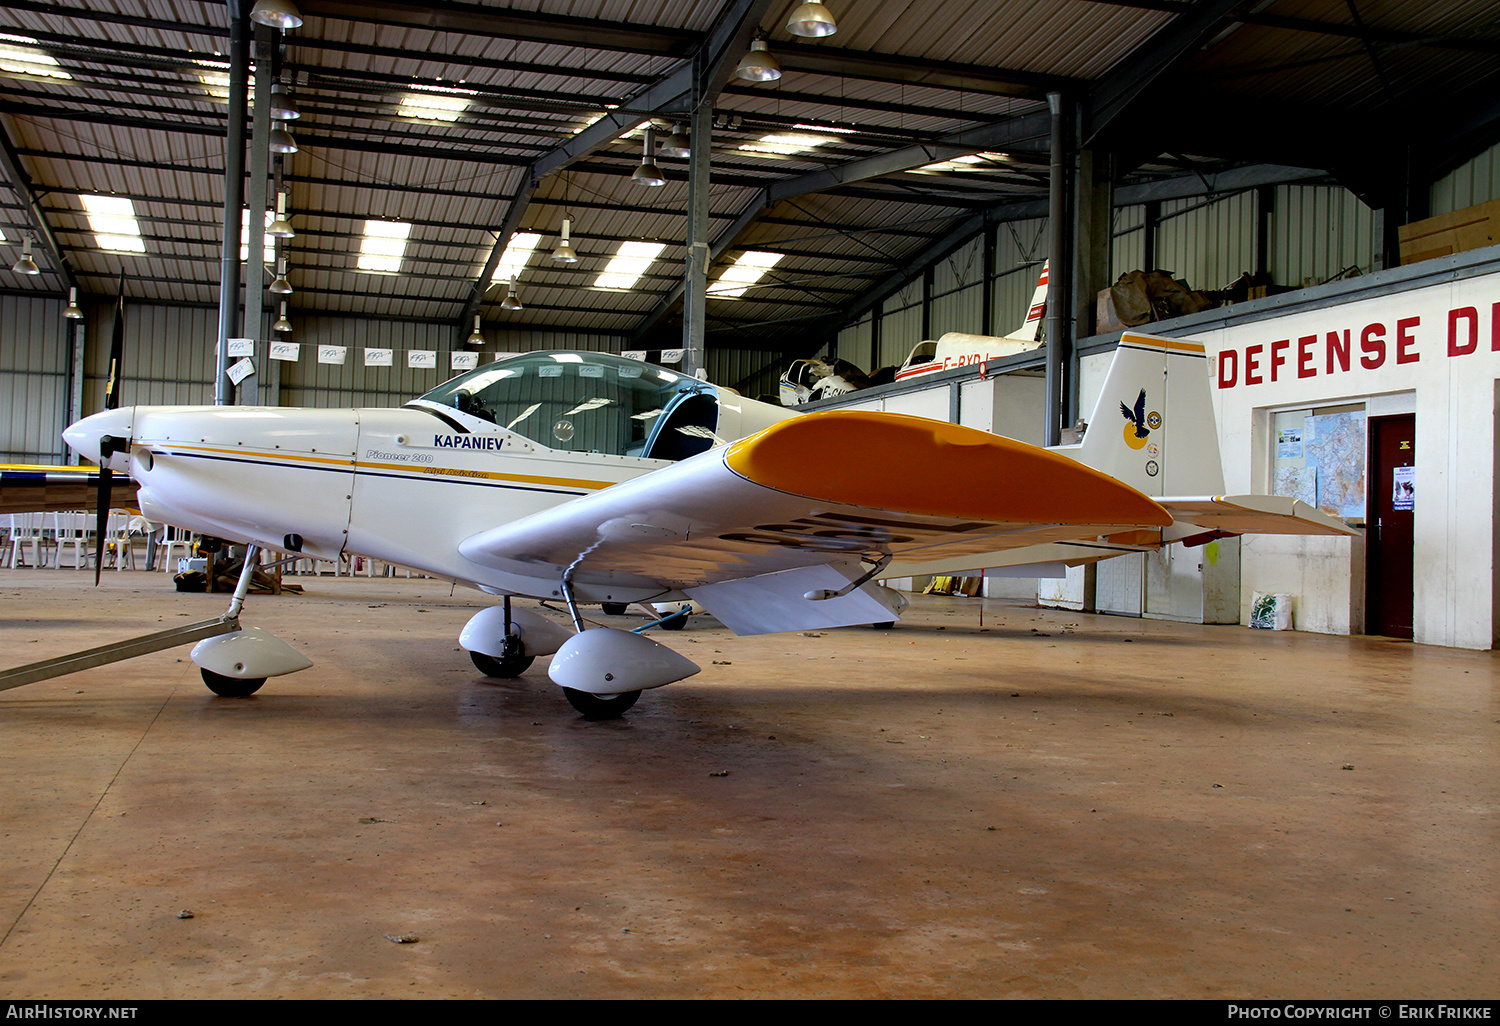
241, 347
240, 371
332, 354
286, 350
672, 355
377, 357
1404, 488
464, 361
634, 354
421, 358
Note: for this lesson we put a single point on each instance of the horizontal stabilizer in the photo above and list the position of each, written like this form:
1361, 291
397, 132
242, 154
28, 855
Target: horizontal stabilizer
1253, 514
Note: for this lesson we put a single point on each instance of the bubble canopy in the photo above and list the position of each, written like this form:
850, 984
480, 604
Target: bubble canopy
587, 402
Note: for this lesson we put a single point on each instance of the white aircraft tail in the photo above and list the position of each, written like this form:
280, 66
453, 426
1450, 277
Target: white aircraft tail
1153, 426
1034, 313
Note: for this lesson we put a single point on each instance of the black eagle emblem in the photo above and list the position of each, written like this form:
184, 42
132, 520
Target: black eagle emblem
1138, 415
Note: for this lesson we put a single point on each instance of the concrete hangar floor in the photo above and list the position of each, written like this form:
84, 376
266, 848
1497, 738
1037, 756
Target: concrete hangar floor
1052, 805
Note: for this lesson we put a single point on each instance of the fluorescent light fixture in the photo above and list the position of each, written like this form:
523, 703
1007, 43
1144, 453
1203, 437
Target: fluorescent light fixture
522, 245
18, 58
112, 220
383, 246
630, 261
748, 268
436, 103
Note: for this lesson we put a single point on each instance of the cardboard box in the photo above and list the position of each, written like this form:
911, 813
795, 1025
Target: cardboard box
1457, 232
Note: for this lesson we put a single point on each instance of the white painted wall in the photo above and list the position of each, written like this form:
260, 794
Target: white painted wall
1434, 351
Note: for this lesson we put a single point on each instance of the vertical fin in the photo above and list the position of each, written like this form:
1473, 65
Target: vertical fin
1166, 443
1034, 313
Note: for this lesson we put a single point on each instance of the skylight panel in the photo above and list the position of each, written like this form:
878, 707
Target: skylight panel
630, 261
785, 143
112, 220
269, 241
18, 58
436, 103
522, 245
748, 268
215, 78
970, 162
383, 246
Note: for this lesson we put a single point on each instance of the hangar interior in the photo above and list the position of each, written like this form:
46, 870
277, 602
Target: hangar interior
894, 181
704, 185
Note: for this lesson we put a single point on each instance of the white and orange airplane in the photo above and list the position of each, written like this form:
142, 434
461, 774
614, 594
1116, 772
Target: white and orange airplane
589, 478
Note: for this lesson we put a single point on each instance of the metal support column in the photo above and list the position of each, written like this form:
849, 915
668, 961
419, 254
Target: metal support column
1093, 248
77, 338
987, 279
1059, 276
255, 201
234, 193
695, 268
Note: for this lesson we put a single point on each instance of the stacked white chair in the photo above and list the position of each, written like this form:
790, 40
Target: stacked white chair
70, 531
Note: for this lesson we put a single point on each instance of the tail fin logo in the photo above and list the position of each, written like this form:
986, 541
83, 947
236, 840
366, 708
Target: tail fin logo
1136, 431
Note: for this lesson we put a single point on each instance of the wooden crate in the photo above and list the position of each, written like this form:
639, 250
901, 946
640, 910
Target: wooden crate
1462, 230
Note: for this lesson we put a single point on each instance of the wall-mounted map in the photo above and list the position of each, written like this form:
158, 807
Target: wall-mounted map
1334, 446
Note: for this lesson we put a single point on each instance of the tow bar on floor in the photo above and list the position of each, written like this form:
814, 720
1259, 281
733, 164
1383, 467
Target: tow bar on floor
115, 651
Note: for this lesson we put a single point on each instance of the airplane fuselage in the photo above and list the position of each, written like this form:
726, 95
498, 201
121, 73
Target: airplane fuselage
404, 486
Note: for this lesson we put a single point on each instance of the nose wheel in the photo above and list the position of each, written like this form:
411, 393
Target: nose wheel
600, 707
513, 660
230, 687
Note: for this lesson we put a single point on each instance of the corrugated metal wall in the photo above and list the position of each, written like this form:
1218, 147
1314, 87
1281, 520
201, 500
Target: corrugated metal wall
957, 292
1207, 243
33, 379
1478, 181
1319, 233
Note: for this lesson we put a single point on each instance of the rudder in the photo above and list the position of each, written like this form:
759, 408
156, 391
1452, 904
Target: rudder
1153, 425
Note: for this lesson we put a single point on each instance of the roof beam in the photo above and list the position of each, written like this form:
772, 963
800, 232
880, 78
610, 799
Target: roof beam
20, 184
671, 94
497, 23
1026, 132
1169, 46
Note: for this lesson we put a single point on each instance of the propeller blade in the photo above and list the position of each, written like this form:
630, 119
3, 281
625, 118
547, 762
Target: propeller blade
101, 521
108, 442
101, 516
116, 352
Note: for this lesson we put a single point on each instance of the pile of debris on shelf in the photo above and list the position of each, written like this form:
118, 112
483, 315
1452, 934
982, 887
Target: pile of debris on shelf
1142, 296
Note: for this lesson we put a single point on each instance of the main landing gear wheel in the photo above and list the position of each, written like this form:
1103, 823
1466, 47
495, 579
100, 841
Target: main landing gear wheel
506, 666
675, 622
601, 707
615, 608
231, 687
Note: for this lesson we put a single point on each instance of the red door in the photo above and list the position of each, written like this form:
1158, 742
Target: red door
1388, 534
